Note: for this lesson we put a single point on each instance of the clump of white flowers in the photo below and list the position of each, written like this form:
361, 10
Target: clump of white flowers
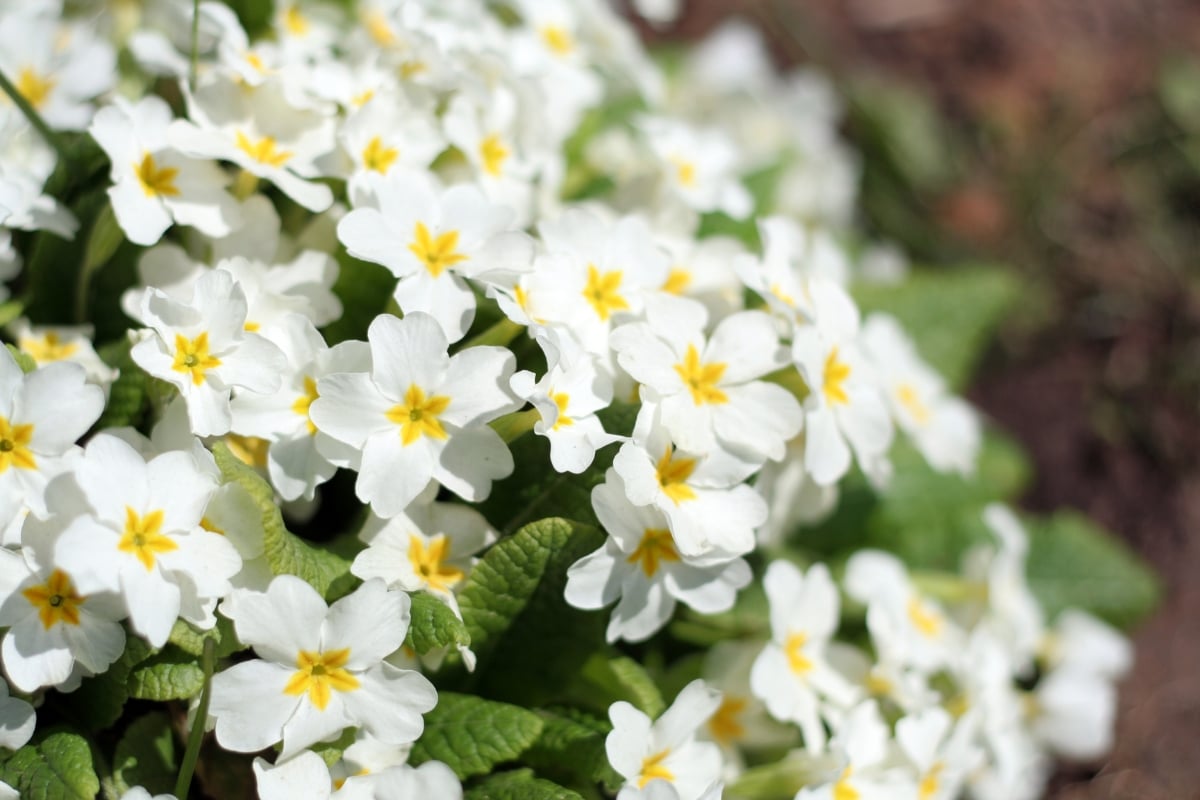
478, 257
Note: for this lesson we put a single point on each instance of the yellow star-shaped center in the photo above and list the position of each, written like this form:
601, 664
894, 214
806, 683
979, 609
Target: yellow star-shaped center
320, 674
156, 181
653, 768
435, 252
14, 446
672, 475
702, 379
834, 383
192, 356
144, 538
493, 152
55, 600
418, 415
264, 150
655, 547
305, 401
603, 292
378, 157
426, 560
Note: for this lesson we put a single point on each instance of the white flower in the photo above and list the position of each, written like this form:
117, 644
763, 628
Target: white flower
321, 669
17, 720
860, 745
666, 749
138, 793
801, 275
47, 344
640, 564
699, 166
419, 414
153, 185
305, 777
942, 750
202, 348
143, 538
390, 132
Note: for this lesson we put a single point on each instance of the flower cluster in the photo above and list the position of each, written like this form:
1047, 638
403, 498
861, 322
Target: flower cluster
391, 237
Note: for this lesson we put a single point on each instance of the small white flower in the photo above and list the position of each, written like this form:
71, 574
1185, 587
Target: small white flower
17, 720
699, 166
47, 344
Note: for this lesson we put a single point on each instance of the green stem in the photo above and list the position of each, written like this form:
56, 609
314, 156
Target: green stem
31, 114
948, 587
194, 66
790, 379
515, 425
501, 334
196, 735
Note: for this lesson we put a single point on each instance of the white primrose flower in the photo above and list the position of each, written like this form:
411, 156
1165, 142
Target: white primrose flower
202, 348
703, 270
320, 670
707, 389
793, 498
42, 414
742, 720
430, 547
642, 751
941, 749
861, 745
47, 344
707, 506
420, 414
153, 185
298, 457
699, 166
55, 633
640, 564
567, 397
305, 777
792, 675
140, 535
658, 789
944, 428
17, 720
138, 793
390, 131
26, 162
432, 238
260, 131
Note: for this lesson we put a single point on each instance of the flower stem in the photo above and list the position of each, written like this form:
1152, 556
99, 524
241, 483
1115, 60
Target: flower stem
515, 425
501, 334
31, 114
196, 735
193, 68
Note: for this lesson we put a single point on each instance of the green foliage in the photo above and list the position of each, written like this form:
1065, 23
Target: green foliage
191, 641
146, 755
99, 701
571, 748
364, 290
129, 396
168, 675
1075, 563
519, 785
285, 553
56, 767
331, 752
23, 359
952, 314
472, 735
623, 678
434, 625
1179, 89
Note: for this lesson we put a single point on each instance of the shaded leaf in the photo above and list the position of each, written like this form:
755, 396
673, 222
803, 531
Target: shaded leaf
519, 785
472, 735
59, 767
146, 755
169, 675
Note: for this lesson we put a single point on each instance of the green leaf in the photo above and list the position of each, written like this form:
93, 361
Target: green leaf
129, 396
472, 735
571, 748
364, 290
23, 359
191, 640
1074, 563
99, 701
434, 625
146, 755
59, 767
1179, 88
950, 313
285, 553
779, 780
625, 679
169, 675
519, 785
331, 752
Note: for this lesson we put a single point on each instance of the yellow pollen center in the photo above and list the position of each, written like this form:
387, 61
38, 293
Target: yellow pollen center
379, 158
653, 768
656, 546
793, 648
295, 21
14, 446
836, 373
33, 87
304, 401
156, 181
673, 474
47, 348
250, 450
910, 401
319, 674
842, 790
558, 39
436, 253
685, 172
494, 153
379, 29
362, 98
678, 279
191, 355
55, 600
725, 725
561, 399
603, 292
701, 379
779, 294
418, 415
927, 620
144, 538
930, 783
264, 151
426, 561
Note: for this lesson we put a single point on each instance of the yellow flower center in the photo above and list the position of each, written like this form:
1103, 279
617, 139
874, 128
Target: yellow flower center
418, 415
836, 373
379, 158
793, 648
702, 379
250, 450
304, 401
652, 768
55, 600
411, 69
685, 172
14, 446
436, 253
927, 620
725, 725
47, 348
603, 292
295, 21
318, 674
678, 279
379, 29
362, 98
494, 153
264, 151
156, 181
561, 399
426, 561
673, 474
656, 546
558, 39
878, 685
930, 782
33, 87
191, 355
842, 790
144, 538
779, 294
910, 401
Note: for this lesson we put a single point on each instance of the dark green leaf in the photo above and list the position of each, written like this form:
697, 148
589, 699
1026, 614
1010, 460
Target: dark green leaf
146, 755
129, 396
571, 748
472, 735
99, 700
59, 767
169, 675
434, 625
519, 785
191, 641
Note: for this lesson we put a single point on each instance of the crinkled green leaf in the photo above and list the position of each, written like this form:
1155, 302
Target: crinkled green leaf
519, 785
571, 748
146, 755
59, 767
434, 625
1073, 563
472, 735
190, 640
623, 678
129, 396
169, 675
950, 313
285, 553
23, 359
99, 700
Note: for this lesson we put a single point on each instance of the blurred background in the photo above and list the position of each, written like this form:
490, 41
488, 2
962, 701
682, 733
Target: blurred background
1061, 139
